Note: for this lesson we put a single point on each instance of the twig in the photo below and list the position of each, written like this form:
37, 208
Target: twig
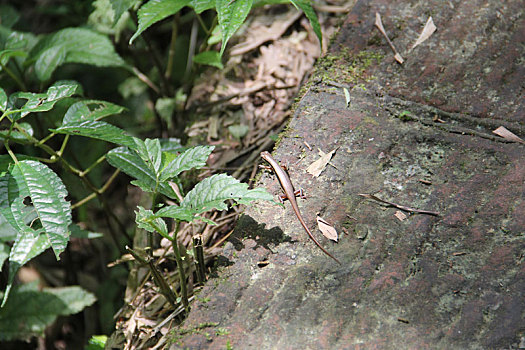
402, 207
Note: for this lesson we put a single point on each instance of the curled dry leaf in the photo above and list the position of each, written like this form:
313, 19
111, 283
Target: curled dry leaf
326, 229
428, 30
317, 167
379, 25
347, 97
507, 134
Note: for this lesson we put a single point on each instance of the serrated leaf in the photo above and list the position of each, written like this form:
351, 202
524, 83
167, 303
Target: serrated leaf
146, 220
306, 7
171, 145
176, 212
97, 130
192, 158
44, 101
81, 45
29, 311
154, 11
201, 5
211, 58
121, 6
212, 192
28, 245
130, 163
47, 192
28, 242
232, 15
90, 110
3, 100
152, 154
49, 60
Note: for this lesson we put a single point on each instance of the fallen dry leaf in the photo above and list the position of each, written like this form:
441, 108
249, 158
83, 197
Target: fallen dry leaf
317, 167
326, 229
428, 30
507, 134
347, 97
379, 25
400, 215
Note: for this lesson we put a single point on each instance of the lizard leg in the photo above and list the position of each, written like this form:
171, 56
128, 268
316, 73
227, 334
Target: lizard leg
300, 193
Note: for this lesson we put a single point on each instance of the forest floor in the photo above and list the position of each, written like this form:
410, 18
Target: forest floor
418, 135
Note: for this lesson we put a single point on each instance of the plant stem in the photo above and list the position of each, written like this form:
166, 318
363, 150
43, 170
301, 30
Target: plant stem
157, 276
171, 52
198, 253
182, 273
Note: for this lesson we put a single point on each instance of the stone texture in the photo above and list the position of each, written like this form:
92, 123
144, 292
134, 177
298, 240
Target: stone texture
453, 281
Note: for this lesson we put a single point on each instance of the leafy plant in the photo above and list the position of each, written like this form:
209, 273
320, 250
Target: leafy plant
231, 14
45, 124
29, 310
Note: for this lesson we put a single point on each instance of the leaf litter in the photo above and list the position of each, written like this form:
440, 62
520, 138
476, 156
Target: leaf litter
270, 58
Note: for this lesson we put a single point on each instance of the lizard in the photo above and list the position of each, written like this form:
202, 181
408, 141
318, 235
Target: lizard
290, 193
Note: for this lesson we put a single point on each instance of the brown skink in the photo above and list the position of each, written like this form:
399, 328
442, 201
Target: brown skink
289, 193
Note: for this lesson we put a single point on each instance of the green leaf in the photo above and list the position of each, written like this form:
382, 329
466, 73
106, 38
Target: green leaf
90, 110
81, 45
5, 55
29, 311
151, 154
77, 232
47, 192
130, 163
176, 212
211, 58
212, 192
231, 16
192, 158
308, 10
97, 342
165, 107
238, 130
121, 6
4, 253
8, 15
28, 242
43, 102
3, 100
201, 5
49, 60
171, 145
97, 130
146, 220
156, 10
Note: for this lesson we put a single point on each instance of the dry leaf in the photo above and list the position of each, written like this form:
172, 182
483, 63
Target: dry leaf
317, 167
400, 215
507, 135
213, 127
428, 30
379, 25
347, 97
326, 229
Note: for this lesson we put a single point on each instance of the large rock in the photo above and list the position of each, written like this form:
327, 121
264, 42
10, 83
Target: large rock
417, 134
